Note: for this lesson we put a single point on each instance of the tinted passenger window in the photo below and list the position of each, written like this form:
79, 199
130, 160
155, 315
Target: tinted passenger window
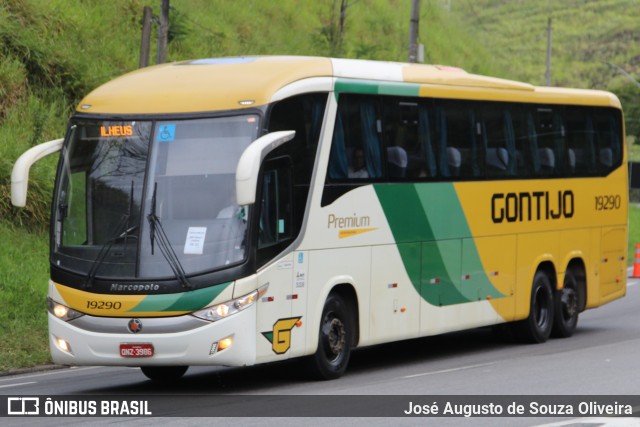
391, 139
356, 151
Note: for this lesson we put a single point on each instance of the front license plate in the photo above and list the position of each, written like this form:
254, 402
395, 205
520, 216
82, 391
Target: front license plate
136, 350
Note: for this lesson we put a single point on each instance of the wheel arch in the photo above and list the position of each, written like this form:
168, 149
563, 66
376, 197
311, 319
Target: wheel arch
332, 344
549, 268
347, 292
342, 286
578, 268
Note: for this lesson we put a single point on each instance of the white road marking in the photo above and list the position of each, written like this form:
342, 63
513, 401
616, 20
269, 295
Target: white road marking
16, 385
444, 371
43, 374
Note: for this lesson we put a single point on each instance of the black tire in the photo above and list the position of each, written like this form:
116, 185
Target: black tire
334, 341
537, 327
164, 373
566, 308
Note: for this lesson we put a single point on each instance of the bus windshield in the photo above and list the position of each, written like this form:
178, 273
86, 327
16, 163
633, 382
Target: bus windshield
129, 191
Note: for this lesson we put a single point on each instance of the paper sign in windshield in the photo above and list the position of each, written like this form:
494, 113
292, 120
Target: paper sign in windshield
194, 244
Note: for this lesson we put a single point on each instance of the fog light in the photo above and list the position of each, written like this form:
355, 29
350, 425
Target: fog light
63, 345
225, 343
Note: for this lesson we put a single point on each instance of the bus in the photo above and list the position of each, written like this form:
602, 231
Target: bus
245, 210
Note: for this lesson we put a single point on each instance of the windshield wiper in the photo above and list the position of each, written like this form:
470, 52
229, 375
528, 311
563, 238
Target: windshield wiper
156, 230
122, 231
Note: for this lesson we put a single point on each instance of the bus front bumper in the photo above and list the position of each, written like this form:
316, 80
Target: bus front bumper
108, 341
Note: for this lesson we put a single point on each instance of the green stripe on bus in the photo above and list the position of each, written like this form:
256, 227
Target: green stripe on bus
433, 238
185, 301
374, 87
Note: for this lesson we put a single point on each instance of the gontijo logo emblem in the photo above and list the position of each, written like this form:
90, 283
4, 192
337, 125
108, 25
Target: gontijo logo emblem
280, 337
349, 226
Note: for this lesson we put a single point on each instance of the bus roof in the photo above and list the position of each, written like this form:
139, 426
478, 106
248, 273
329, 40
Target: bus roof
230, 83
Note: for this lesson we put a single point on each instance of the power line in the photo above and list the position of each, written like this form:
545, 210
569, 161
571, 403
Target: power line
196, 23
627, 75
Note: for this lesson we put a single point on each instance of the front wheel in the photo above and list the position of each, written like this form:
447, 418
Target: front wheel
164, 373
566, 308
334, 342
537, 327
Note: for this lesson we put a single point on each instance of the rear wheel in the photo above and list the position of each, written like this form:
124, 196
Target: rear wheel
334, 342
566, 307
537, 327
164, 373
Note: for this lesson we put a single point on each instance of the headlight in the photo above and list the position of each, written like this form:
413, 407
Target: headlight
226, 309
61, 311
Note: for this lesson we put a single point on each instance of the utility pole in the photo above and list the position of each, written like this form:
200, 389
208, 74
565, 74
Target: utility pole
145, 44
413, 30
163, 32
548, 73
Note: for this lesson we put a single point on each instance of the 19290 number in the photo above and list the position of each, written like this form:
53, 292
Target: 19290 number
608, 202
104, 305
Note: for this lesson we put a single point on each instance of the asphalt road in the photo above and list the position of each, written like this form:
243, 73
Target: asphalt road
600, 359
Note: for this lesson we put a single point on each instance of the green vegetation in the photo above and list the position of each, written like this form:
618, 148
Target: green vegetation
634, 149
53, 53
593, 42
23, 291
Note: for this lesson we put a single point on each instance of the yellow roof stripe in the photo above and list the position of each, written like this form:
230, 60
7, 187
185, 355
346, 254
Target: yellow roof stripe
220, 84
188, 88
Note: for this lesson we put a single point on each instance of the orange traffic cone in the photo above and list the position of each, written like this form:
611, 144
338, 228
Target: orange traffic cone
636, 263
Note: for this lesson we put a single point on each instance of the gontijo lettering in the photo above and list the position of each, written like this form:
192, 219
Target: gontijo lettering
535, 206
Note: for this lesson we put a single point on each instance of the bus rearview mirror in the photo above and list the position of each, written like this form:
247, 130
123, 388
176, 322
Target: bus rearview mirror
20, 172
250, 161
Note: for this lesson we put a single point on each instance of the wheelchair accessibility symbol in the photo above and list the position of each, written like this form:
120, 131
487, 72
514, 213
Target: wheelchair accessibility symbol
166, 133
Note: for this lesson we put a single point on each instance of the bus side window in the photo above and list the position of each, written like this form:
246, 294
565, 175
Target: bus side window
370, 128
552, 149
580, 141
428, 167
608, 141
275, 205
400, 120
406, 136
75, 207
499, 141
457, 139
304, 114
356, 149
523, 144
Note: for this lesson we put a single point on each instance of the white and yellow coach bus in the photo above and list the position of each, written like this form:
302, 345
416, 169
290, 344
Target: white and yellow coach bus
246, 210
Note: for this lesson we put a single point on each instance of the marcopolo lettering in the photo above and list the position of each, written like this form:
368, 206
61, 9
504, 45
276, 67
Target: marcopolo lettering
534, 206
117, 287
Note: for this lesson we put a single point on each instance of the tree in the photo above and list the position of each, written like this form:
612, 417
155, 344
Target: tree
333, 29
